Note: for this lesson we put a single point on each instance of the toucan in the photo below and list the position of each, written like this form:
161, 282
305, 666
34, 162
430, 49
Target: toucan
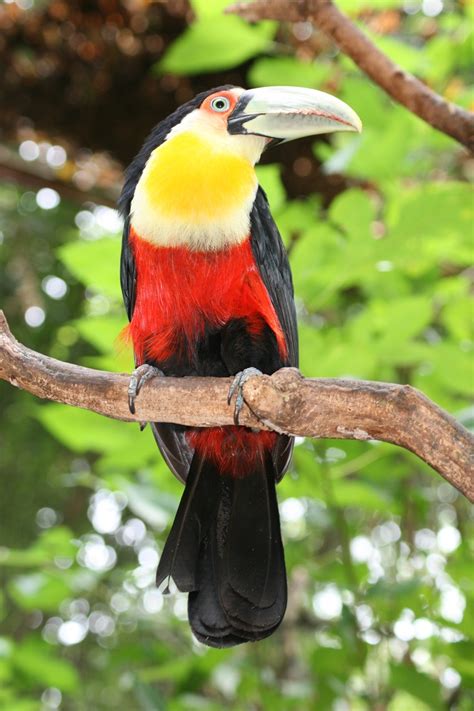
208, 292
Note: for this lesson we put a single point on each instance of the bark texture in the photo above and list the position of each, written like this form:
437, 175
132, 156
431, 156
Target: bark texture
285, 402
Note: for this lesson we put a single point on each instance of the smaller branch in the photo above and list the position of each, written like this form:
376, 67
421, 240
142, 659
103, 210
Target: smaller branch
400, 85
285, 402
36, 175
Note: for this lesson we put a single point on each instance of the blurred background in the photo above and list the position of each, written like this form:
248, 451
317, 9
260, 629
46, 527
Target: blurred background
379, 231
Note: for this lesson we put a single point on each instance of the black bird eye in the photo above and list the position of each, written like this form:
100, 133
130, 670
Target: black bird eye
220, 103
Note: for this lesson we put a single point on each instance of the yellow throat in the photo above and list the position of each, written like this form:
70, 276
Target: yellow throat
196, 192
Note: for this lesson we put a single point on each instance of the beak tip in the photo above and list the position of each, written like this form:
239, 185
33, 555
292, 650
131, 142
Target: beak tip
355, 122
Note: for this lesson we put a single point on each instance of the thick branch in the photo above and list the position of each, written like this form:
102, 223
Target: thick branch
400, 85
285, 402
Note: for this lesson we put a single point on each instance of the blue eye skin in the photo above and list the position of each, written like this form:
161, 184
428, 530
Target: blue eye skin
220, 104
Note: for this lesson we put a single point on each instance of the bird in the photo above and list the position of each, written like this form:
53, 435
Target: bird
208, 291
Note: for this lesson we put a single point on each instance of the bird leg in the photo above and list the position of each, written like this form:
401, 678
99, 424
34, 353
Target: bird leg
137, 379
236, 387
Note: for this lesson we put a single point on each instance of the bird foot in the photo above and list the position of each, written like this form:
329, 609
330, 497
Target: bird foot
236, 387
138, 378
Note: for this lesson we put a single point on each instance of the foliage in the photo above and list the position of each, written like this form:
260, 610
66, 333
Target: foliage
378, 546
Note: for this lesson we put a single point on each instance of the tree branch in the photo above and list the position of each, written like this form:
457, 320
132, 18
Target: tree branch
38, 175
400, 85
285, 402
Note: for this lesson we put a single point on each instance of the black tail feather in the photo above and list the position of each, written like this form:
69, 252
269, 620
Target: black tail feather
196, 509
225, 549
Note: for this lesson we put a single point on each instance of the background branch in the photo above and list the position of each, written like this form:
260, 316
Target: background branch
285, 402
400, 85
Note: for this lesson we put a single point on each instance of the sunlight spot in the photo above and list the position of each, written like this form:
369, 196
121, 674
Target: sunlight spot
35, 316
361, 549
47, 198
423, 628
72, 632
119, 602
435, 563
133, 532
365, 616
54, 287
371, 637
180, 607
56, 156
327, 603
292, 510
425, 539
104, 512
51, 698
46, 517
95, 555
403, 628
107, 219
101, 624
449, 539
452, 605
226, 678
152, 601
450, 678
431, 8
148, 557
29, 150
384, 266
50, 630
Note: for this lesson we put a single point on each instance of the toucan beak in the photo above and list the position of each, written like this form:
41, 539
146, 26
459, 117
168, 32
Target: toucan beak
287, 112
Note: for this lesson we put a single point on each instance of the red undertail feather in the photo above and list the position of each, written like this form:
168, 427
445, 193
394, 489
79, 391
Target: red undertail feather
233, 450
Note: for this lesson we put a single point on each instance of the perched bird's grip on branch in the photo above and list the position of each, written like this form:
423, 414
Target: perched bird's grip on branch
285, 402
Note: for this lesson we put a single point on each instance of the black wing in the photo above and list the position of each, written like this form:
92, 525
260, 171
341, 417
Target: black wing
272, 261
128, 271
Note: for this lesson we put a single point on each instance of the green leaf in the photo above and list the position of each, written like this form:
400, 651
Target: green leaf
402, 701
422, 686
353, 211
453, 367
270, 180
43, 590
10, 701
325, 354
103, 332
95, 264
209, 8
410, 58
391, 323
430, 224
53, 543
457, 317
361, 495
207, 46
296, 217
42, 665
84, 431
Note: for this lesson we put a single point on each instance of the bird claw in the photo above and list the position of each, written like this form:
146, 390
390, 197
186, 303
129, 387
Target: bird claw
138, 378
236, 387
